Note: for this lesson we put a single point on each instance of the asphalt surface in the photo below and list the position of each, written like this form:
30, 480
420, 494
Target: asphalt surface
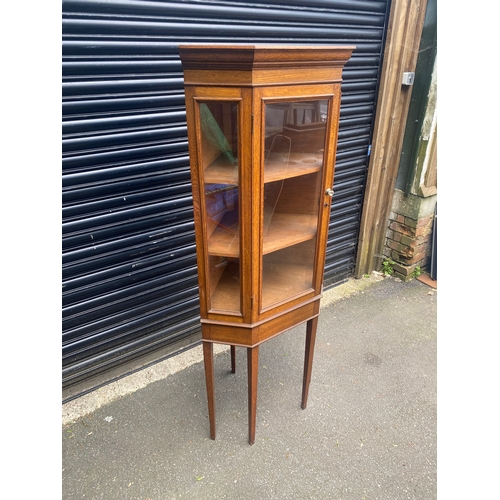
369, 430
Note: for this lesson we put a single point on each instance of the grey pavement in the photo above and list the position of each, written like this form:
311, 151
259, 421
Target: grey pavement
369, 430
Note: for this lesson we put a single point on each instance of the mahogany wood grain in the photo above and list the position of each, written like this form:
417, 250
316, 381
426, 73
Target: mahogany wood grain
221, 171
208, 359
253, 374
311, 327
251, 334
285, 230
233, 359
262, 274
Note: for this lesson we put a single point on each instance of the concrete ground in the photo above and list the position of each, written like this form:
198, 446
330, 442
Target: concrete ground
369, 431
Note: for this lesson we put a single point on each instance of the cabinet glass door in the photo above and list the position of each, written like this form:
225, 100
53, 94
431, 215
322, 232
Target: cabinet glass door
295, 134
220, 174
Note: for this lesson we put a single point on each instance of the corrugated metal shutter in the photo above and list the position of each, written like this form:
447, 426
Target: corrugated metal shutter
129, 271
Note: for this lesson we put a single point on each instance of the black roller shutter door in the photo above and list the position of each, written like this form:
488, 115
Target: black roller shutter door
130, 292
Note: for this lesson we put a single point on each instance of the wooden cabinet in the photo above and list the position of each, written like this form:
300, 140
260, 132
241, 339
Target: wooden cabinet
262, 129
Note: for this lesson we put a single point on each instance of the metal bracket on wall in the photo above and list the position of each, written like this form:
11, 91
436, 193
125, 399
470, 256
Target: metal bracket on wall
408, 78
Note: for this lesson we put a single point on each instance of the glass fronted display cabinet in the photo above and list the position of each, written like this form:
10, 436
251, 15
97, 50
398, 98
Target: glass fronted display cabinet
262, 129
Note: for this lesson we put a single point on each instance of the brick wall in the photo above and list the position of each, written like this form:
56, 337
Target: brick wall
408, 243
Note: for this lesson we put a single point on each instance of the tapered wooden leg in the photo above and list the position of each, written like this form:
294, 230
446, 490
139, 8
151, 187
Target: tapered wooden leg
233, 359
208, 359
308, 358
253, 375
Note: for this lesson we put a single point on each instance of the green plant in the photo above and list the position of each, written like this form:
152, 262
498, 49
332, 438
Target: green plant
387, 268
416, 272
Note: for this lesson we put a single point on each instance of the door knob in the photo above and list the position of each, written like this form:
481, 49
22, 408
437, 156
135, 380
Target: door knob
329, 192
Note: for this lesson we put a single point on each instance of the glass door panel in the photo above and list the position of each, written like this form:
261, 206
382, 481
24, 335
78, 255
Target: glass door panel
220, 173
295, 134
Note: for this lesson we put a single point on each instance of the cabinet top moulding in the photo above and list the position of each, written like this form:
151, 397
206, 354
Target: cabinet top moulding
259, 65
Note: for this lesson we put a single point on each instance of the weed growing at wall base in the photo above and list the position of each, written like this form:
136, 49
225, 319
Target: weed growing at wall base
387, 268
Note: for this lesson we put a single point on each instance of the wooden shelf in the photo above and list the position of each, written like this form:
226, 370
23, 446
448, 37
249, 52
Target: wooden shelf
285, 230
277, 168
226, 296
222, 171
281, 282
224, 243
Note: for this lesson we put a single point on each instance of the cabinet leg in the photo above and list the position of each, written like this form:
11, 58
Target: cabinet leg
308, 358
233, 359
253, 374
208, 359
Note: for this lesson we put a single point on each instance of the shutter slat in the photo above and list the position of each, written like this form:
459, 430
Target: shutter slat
129, 257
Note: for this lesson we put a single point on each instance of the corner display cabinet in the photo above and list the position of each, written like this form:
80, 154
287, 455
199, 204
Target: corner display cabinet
262, 129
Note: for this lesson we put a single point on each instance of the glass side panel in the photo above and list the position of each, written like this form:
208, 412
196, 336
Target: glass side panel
219, 155
293, 168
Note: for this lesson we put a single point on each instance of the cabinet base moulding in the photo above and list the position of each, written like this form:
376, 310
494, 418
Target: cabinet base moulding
251, 335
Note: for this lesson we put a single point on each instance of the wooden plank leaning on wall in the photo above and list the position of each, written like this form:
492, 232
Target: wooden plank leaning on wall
404, 31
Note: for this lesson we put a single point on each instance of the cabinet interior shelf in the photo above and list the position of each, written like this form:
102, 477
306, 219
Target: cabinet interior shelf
280, 282
222, 171
285, 229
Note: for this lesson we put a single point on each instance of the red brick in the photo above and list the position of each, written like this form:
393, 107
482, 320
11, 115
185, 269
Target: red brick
425, 240
410, 222
406, 252
394, 226
423, 231
401, 228
393, 245
425, 221
406, 240
419, 251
